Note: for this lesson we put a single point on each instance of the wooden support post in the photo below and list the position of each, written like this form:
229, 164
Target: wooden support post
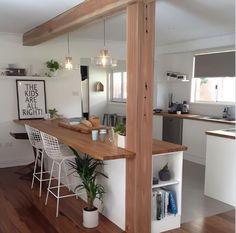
140, 68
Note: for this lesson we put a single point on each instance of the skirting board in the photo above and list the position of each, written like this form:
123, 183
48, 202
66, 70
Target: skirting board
194, 159
15, 163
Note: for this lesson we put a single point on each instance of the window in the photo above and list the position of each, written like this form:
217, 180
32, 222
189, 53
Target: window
221, 90
214, 78
118, 86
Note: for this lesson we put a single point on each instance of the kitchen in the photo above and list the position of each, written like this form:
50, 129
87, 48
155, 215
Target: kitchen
175, 58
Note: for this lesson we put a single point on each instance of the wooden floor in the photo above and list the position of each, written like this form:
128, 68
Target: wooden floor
220, 223
22, 211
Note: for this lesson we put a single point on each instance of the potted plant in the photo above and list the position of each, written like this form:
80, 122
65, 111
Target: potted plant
88, 170
53, 113
53, 66
120, 134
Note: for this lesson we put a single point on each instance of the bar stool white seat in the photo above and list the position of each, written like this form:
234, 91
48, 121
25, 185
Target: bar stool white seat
37, 143
59, 155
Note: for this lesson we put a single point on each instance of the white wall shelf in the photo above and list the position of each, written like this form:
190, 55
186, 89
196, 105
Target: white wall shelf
24, 77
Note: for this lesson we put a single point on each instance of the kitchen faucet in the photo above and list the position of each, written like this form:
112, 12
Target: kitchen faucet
226, 112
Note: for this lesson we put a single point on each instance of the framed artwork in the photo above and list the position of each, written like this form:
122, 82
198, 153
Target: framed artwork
31, 99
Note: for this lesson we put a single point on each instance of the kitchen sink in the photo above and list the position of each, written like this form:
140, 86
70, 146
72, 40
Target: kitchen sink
221, 118
229, 119
229, 130
215, 118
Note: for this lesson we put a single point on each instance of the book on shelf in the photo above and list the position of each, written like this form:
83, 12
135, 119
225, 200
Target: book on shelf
164, 203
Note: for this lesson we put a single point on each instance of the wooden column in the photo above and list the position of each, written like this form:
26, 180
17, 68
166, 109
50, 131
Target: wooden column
140, 68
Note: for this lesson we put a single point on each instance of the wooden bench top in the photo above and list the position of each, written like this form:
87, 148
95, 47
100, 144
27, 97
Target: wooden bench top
97, 149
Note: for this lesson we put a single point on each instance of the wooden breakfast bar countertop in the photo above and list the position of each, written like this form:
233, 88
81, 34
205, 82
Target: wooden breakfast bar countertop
97, 149
83, 142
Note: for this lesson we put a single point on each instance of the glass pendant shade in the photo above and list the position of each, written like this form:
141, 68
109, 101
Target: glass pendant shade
68, 59
68, 63
104, 59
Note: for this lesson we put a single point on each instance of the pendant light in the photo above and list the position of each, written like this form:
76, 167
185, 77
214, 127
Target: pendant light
68, 59
104, 59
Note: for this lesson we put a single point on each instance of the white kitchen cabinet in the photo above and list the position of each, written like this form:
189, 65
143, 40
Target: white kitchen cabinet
220, 176
194, 138
157, 127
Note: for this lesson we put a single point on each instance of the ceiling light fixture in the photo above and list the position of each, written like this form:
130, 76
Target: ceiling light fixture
68, 59
104, 59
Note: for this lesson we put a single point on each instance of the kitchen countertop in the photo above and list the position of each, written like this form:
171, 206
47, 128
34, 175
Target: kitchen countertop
195, 117
222, 133
98, 150
162, 147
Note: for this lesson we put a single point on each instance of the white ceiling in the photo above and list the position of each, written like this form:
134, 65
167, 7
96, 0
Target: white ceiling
184, 20
176, 20
19, 16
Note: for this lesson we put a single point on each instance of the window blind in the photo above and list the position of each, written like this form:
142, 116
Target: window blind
215, 65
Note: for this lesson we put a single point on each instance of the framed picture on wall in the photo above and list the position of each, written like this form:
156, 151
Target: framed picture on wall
31, 99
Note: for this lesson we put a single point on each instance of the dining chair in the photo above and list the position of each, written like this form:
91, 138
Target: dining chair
59, 155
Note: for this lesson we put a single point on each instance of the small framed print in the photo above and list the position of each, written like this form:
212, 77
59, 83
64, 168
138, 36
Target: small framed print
31, 99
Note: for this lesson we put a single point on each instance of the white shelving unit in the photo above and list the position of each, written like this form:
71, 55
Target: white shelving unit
175, 164
165, 183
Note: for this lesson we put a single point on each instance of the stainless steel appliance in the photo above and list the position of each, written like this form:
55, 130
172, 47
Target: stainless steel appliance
185, 107
172, 129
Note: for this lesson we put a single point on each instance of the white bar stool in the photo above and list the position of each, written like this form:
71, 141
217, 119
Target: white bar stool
36, 142
58, 155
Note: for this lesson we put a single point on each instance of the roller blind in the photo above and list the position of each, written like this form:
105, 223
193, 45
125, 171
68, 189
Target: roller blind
215, 65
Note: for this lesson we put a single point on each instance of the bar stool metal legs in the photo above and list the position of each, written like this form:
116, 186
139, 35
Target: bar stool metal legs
59, 156
39, 157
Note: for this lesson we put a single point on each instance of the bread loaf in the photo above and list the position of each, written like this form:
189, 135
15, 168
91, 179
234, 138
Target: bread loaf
86, 123
95, 121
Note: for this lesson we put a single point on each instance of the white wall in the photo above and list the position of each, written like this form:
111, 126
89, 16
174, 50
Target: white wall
63, 92
179, 58
97, 99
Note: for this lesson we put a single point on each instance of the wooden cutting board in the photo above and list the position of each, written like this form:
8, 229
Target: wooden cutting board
81, 127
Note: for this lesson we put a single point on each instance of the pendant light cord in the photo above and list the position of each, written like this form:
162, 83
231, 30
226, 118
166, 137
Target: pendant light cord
104, 35
68, 43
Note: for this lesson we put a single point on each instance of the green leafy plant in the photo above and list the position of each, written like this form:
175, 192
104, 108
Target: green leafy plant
53, 65
88, 170
120, 128
53, 113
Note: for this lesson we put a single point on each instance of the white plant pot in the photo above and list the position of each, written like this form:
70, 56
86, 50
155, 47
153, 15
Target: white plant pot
121, 141
90, 218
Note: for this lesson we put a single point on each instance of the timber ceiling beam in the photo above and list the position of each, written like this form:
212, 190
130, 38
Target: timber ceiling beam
80, 15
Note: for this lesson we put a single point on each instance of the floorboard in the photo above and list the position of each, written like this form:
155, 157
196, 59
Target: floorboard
22, 211
220, 223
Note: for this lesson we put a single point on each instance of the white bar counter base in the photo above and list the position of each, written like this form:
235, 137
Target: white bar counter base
220, 176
